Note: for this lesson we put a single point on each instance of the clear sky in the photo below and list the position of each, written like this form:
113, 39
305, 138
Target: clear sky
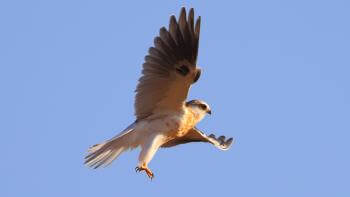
276, 74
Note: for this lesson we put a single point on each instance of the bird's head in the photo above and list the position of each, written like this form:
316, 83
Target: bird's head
199, 106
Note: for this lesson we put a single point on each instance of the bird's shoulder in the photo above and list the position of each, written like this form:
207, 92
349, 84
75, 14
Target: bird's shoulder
167, 114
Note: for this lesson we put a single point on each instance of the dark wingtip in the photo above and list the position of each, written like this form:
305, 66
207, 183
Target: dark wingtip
183, 10
221, 138
191, 19
229, 142
162, 30
198, 26
182, 17
172, 20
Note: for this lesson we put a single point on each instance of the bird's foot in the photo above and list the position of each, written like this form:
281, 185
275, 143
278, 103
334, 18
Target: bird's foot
147, 170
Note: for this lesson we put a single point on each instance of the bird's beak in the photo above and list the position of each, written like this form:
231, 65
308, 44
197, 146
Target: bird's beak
209, 112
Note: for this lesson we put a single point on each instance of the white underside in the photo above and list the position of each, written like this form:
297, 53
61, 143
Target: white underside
149, 134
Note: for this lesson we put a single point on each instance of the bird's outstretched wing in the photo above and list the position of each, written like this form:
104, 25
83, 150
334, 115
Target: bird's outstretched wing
195, 135
170, 67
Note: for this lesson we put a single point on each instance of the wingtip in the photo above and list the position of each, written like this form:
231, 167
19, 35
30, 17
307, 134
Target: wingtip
162, 29
173, 19
182, 17
183, 10
172, 23
197, 26
228, 143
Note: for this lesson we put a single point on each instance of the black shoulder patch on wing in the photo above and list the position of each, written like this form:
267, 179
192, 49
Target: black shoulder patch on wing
183, 70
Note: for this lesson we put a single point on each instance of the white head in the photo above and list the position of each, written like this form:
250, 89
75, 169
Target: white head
201, 107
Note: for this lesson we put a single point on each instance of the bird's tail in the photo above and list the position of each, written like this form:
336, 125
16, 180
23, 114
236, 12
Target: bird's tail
103, 154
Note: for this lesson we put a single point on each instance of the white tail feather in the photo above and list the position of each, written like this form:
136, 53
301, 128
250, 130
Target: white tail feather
103, 154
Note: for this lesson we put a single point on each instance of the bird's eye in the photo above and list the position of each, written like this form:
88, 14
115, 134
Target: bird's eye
203, 107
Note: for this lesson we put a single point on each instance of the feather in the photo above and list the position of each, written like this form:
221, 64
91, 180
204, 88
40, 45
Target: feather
195, 135
173, 58
106, 152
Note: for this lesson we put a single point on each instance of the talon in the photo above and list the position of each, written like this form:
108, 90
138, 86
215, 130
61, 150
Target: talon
148, 171
150, 174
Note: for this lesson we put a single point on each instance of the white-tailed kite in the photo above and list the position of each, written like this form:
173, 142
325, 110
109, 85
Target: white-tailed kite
163, 117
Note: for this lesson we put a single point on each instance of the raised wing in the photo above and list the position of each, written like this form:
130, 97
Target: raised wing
195, 135
169, 68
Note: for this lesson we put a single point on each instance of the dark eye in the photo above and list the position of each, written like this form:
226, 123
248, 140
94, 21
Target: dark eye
203, 107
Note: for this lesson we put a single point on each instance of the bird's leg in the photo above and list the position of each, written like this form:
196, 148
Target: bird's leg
148, 149
146, 169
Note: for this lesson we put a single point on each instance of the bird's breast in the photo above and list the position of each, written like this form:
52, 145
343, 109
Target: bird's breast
178, 125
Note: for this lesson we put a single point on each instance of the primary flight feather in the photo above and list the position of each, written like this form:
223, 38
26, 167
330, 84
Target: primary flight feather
163, 117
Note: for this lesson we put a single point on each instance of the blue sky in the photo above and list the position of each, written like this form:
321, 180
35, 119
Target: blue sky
276, 74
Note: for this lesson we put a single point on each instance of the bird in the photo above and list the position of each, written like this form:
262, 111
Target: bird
163, 116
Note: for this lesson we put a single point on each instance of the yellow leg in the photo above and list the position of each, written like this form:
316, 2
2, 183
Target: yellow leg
146, 169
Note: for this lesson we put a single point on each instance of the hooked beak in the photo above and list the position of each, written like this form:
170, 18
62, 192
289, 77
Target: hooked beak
209, 112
